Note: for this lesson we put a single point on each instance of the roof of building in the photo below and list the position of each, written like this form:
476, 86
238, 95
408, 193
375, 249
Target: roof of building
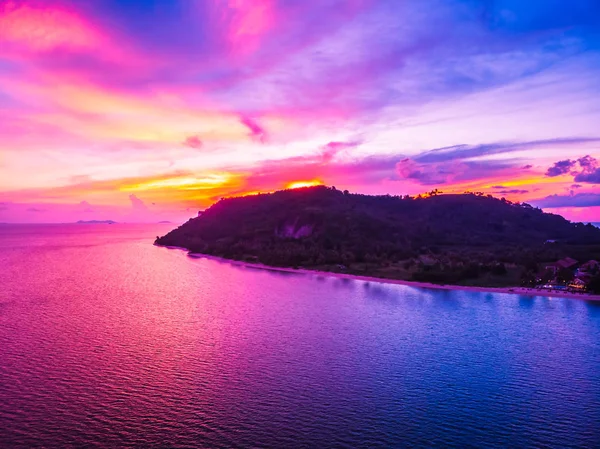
577, 283
567, 262
585, 277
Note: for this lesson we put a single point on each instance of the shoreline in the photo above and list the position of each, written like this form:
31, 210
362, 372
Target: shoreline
523, 291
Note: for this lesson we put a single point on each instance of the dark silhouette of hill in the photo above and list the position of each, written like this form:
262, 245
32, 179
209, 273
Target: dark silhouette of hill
440, 238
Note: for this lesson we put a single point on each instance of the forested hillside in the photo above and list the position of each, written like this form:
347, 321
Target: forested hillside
439, 238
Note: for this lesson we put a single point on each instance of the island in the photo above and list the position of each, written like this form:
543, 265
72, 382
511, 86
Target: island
469, 239
96, 222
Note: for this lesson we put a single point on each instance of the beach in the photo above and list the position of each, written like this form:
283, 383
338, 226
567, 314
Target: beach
523, 291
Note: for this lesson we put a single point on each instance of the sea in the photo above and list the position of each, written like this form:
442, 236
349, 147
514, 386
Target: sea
109, 341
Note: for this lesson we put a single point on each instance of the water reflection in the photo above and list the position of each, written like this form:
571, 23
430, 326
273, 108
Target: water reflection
526, 301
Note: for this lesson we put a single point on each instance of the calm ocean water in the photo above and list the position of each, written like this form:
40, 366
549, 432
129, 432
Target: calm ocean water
106, 340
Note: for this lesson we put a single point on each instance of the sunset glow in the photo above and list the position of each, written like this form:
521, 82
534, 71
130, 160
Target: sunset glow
183, 183
222, 98
300, 184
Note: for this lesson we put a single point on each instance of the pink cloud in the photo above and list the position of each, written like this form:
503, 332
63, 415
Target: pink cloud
334, 148
137, 204
42, 28
193, 142
257, 132
249, 21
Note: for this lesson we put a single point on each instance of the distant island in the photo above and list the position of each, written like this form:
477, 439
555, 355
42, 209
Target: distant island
469, 239
96, 222
165, 222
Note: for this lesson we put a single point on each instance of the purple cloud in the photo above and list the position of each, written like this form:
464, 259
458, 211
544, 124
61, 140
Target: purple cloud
577, 200
585, 169
588, 162
560, 168
592, 177
590, 173
460, 162
512, 192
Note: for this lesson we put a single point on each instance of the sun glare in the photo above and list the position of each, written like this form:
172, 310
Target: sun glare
300, 184
183, 183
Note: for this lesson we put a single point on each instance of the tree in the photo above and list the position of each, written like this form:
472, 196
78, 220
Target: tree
594, 285
528, 279
547, 276
499, 269
565, 275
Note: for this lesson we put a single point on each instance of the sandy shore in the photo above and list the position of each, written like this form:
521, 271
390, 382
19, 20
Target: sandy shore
508, 290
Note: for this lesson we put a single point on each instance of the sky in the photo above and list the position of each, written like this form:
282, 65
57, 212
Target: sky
150, 110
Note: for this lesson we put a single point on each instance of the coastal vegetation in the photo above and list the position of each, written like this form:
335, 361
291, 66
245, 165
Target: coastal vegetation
467, 239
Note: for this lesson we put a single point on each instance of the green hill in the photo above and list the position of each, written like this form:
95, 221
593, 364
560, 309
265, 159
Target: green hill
469, 239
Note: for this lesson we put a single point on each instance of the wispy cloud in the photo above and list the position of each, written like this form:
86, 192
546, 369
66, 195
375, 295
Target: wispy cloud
257, 132
511, 192
577, 200
473, 151
452, 171
334, 148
